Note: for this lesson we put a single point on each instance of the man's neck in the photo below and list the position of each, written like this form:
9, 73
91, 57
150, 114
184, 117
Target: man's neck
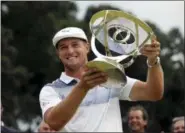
76, 73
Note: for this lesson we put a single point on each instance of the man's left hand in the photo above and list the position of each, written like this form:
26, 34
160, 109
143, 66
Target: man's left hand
152, 51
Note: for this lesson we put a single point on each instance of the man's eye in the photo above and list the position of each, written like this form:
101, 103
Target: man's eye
75, 44
63, 47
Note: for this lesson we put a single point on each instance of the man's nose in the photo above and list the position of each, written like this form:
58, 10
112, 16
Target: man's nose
181, 130
70, 49
134, 120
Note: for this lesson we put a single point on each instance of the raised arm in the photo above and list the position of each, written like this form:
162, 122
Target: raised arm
153, 88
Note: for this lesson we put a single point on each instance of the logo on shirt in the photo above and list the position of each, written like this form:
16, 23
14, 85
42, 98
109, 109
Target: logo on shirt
44, 104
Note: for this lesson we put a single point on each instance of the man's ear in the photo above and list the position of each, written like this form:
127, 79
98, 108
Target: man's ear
88, 47
145, 122
57, 52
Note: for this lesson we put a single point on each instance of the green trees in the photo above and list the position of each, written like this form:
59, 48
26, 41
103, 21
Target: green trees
28, 57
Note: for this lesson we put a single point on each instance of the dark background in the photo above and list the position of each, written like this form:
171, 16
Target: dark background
28, 61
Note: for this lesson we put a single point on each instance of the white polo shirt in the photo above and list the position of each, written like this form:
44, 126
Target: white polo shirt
99, 110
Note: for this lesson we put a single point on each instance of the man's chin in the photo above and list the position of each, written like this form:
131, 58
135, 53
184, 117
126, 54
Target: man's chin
134, 129
73, 66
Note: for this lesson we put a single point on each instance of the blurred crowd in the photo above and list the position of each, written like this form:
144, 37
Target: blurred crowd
137, 122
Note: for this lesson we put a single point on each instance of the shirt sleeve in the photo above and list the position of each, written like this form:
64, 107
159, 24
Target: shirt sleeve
48, 98
125, 91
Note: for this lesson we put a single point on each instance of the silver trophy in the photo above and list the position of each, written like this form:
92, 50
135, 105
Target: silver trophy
121, 35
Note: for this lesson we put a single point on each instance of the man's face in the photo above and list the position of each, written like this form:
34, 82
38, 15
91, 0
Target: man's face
73, 52
178, 127
136, 122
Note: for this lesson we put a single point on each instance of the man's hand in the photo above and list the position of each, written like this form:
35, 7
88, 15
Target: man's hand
91, 78
151, 51
44, 127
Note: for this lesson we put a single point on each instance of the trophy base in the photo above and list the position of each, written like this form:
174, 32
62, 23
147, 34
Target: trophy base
115, 71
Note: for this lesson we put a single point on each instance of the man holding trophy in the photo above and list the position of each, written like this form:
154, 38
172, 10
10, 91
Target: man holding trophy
86, 96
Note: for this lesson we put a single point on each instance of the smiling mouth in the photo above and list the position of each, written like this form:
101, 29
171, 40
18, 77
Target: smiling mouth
70, 58
134, 125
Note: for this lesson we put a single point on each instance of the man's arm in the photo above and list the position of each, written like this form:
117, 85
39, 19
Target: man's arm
58, 116
153, 88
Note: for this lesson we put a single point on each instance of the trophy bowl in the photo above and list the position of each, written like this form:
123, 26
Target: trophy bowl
116, 78
121, 33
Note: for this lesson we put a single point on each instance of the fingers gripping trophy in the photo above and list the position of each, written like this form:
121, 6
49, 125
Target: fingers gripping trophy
122, 35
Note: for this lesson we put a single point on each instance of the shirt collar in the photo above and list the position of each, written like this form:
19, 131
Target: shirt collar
67, 79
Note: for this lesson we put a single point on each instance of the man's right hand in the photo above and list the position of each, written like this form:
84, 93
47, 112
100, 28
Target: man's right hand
91, 78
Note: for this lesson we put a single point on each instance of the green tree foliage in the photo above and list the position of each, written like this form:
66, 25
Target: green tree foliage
28, 57
28, 60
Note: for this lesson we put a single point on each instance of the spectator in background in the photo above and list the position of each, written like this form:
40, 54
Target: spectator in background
178, 125
137, 119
